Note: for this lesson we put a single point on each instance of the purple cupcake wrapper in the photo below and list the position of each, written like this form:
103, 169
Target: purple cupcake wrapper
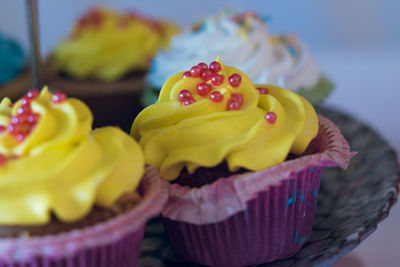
115, 242
225, 197
255, 217
274, 225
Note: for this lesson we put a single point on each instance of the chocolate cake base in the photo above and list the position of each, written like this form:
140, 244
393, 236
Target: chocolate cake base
203, 175
97, 215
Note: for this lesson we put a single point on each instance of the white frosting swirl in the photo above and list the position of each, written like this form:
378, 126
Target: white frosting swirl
244, 44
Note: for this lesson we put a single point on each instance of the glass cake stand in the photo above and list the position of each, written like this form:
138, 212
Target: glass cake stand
350, 204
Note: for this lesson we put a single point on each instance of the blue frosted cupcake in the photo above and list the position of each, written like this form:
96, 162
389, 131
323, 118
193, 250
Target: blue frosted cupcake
13, 80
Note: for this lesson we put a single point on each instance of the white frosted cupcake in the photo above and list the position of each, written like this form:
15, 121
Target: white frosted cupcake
241, 40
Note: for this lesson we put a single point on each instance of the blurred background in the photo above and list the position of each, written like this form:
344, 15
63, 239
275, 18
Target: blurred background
355, 42
352, 23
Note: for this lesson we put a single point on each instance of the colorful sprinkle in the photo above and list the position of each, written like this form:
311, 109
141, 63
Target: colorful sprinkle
203, 89
3, 160
33, 118
206, 75
203, 66
235, 79
237, 98
184, 95
186, 74
195, 71
25, 100
215, 67
216, 96
92, 18
233, 105
217, 79
270, 117
59, 97
21, 137
24, 109
262, 90
32, 94
189, 101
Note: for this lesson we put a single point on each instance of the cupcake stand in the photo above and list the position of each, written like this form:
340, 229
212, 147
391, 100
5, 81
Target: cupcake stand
350, 205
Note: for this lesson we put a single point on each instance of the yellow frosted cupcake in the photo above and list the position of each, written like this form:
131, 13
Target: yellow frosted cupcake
104, 60
67, 191
244, 164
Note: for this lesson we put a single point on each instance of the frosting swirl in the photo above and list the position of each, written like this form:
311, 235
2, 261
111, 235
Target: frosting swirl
247, 126
240, 40
107, 45
12, 59
52, 162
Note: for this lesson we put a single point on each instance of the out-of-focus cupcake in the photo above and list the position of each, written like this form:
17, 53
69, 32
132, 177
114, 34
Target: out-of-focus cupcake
14, 78
70, 196
244, 163
241, 40
104, 59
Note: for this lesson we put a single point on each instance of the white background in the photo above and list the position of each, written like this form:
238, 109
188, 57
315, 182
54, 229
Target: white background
355, 42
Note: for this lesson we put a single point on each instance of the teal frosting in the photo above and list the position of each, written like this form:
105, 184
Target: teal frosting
12, 59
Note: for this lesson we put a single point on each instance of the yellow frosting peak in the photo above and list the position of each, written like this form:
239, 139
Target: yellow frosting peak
52, 162
106, 45
201, 121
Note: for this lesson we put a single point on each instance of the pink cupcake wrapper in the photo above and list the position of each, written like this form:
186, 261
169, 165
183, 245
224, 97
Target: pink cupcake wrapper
115, 242
217, 201
254, 217
274, 225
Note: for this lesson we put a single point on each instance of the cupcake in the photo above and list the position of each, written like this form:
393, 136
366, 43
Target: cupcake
70, 196
13, 75
243, 163
104, 59
241, 40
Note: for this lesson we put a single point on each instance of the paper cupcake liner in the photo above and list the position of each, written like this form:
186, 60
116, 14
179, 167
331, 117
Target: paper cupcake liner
115, 242
254, 217
274, 225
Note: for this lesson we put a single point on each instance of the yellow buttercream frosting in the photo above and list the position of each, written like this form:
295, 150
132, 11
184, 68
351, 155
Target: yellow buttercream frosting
61, 166
106, 45
204, 133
